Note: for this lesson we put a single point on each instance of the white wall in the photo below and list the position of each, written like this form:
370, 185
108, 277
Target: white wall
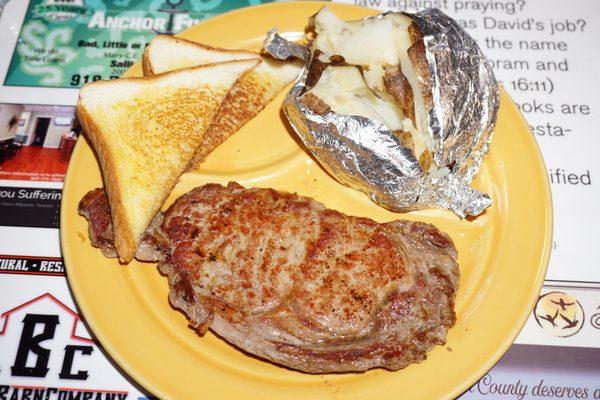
54, 132
7, 111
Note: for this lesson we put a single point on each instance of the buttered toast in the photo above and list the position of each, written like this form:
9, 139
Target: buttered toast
168, 53
254, 90
145, 131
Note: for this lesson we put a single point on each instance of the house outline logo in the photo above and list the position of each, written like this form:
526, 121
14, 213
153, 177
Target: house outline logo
60, 355
5, 316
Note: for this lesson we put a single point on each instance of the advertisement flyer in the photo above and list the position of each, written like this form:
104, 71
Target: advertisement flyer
542, 51
65, 44
36, 141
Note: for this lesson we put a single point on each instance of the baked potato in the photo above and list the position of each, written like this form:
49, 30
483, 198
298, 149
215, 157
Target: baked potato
375, 68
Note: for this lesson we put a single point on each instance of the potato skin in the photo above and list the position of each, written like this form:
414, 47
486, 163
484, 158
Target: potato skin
418, 59
317, 105
415, 33
398, 87
316, 67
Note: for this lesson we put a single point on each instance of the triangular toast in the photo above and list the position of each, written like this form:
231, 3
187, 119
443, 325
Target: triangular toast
255, 89
168, 53
145, 131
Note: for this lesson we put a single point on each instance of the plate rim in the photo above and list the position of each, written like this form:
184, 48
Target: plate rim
542, 267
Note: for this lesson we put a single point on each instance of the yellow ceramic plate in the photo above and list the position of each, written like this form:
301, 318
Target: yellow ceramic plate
502, 255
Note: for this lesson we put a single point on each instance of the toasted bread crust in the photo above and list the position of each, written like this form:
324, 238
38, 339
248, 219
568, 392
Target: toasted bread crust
200, 103
166, 74
204, 46
232, 115
125, 241
251, 93
147, 64
247, 97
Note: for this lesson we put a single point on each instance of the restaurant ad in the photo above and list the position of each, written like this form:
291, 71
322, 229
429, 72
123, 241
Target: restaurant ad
543, 54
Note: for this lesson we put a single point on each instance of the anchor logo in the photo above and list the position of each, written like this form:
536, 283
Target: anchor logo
172, 11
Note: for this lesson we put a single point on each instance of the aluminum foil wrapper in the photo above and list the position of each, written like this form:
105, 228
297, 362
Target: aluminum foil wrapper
364, 154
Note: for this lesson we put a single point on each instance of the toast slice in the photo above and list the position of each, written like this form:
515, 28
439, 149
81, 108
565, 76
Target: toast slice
145, 131
254, 90
168, 53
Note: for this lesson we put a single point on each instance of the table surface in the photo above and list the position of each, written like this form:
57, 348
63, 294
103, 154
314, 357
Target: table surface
543, 52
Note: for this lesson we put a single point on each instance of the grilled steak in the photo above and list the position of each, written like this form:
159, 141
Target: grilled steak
284, 278
94, 207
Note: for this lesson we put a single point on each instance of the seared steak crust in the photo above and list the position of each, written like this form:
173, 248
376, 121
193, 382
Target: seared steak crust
283, 277
94, 207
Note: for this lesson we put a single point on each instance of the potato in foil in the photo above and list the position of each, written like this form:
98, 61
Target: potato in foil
401, 106
366, 68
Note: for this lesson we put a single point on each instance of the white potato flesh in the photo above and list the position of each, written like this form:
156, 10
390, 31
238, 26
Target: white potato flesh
375, 45
329, 28
373, 74
344, 90
359, 42
369, 43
